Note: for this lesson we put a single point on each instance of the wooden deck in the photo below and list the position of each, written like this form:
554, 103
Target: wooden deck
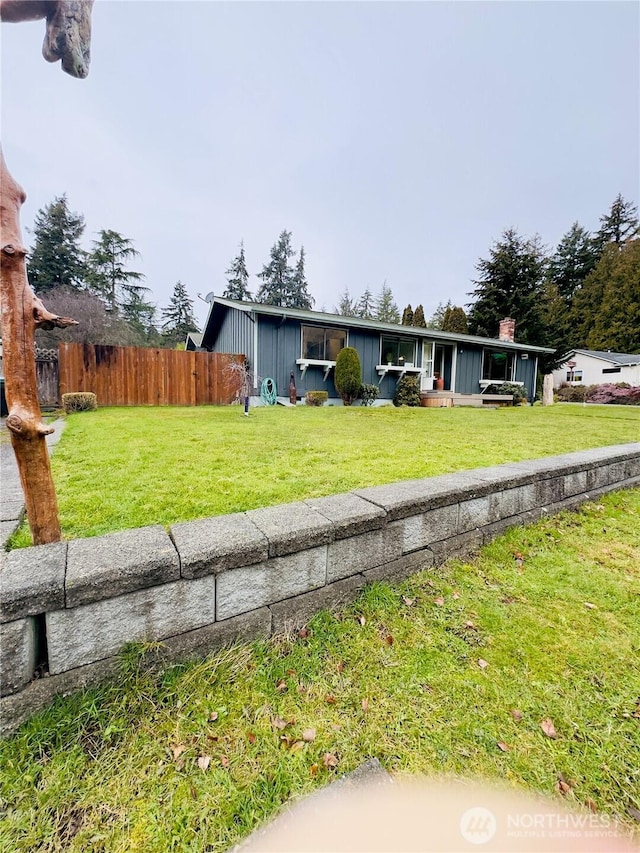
447, 399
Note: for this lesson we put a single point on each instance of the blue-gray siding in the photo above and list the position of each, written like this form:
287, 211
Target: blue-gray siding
468, 369
236, 335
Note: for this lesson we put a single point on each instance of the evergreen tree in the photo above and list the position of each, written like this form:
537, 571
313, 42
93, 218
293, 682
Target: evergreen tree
347, 306
620, 224
407, 316
366, 305
56, 258
511, 285
386, 308
455, 320
606, 310
299, 296
418, 318
437, 318
108, 274
140, 315
178, 316
238, 278
572, 261
277, 275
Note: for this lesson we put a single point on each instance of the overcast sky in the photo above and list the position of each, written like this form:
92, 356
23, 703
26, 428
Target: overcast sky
395, 140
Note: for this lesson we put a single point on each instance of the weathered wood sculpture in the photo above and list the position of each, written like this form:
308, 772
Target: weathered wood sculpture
68, 36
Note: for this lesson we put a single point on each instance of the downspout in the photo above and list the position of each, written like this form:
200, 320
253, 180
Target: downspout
532, 394
255, 353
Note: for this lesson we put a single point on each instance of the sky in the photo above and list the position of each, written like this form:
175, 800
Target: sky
395, 140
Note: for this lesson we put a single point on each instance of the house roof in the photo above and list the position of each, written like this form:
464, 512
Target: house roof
620, 358
220, 306
196, 337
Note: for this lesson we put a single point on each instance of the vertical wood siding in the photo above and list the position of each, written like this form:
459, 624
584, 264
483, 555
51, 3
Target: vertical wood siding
135, 376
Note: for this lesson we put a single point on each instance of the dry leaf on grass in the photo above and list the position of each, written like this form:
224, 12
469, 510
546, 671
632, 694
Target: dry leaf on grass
314, 769
517, 715
213, 716
281, 685
329, 760
176, 750
225, 762
309, 735
482, 663
503, 747
548, 728
388, 640
251, 737
296, 746
204, 761
362, 621
408, 601
279, 723
439, 601
589, 803
365, 705
303, 633
456, 595
590, 606
330, 699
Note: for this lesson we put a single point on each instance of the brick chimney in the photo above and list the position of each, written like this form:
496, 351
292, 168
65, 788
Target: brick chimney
507, 330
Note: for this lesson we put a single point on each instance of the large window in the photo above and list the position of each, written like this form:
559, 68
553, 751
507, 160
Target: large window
322, 344
498, 365
398, 351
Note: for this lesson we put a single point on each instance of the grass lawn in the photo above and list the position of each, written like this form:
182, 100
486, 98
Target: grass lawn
195, 757
128, 467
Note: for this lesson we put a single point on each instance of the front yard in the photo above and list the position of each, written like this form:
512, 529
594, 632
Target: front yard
520, 667
129, 467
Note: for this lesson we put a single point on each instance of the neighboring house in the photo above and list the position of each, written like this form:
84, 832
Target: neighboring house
193, 342
280, 341
593, 367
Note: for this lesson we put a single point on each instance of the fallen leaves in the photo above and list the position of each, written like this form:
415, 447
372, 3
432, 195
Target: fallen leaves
251, 737
503, 747
408, 601
279, 723
482, 663
362, 621
516, 714
590, 606
365, 705
439, 601
224, 761
176, 750
309, 735
330, 699
548, 728
329, 760
213, 716
203, 762
281, 686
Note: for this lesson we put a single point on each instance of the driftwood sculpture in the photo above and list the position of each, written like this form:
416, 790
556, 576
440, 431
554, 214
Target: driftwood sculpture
67, 39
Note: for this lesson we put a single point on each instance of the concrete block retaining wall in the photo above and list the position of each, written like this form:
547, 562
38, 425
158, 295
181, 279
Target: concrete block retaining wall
67, 609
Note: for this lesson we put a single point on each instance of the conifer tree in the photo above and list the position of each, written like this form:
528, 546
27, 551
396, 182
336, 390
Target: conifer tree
366, 305
576, 255
511, 285
386, 308
108, 275
178, 316
346, 306
619, 224
277, 274
437, 318
418, 318
238, 278
56, 258
299, 296
455, 320
407, 316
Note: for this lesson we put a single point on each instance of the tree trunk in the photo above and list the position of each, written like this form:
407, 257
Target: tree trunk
22, 313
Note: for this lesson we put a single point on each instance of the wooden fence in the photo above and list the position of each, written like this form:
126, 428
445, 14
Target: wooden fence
135, 376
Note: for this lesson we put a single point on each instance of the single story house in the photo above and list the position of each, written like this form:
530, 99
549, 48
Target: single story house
594, 367
278, 342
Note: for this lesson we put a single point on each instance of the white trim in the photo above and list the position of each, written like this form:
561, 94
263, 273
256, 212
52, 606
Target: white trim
255, 352
383, 369
454, 367
304, 363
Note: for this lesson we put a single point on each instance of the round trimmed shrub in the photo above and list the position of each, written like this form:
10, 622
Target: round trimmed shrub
348, 375
79, 401
316, 398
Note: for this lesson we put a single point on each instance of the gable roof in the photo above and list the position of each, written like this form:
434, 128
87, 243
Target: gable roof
620, 358
219, 307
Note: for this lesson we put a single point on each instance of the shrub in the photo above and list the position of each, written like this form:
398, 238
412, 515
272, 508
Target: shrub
316, 398
614, 394
368, 394
572, 393
79, 401
348, 376
407, 392
519, 392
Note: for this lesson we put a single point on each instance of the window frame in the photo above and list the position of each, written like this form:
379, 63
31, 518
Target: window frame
399, 339
324, 329
510, 371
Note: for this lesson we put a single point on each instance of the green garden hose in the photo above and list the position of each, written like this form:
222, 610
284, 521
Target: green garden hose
268, 392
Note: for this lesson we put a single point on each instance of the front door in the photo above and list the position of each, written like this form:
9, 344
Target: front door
443, 363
